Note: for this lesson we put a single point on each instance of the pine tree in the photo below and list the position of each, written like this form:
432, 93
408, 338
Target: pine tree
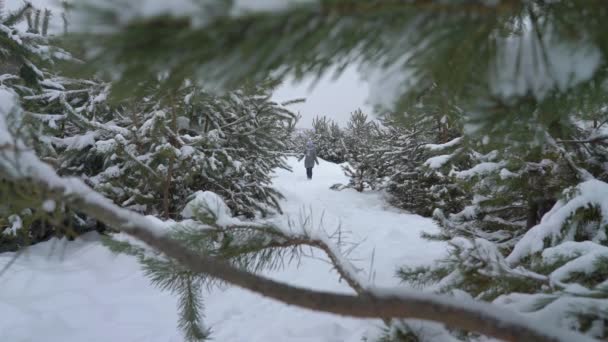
156, 151
328, 138
362, 138
150, 152
28, 68
533, 221
425, 143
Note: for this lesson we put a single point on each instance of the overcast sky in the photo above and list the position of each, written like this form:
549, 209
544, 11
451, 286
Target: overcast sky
332, 98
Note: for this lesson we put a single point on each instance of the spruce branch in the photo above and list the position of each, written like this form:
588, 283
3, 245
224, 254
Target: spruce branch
86, 123
190, 306
600, 138
171, 276
278, 238
581, 173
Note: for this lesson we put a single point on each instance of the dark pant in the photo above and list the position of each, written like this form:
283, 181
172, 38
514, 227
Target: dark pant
309, 172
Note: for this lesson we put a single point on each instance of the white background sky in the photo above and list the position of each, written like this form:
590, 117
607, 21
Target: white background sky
332, 98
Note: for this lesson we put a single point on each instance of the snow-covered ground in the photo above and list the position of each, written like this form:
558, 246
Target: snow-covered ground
79, 291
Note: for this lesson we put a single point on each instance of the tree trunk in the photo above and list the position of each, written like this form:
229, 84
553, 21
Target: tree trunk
532, 214
167, 188
537, 209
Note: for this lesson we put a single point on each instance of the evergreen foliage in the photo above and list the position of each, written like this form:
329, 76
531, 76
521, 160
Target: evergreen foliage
327, 136
156, 151
148, 153
410, 156
534, 218
362, 138
424, 144
510, 57
27, 61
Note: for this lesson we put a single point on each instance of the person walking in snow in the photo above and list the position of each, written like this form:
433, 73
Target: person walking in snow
310, 158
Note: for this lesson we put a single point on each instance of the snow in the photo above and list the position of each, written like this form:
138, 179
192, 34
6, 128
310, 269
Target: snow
105, 146
479, 169
186, 151
508, 316
584, 257
55, 24
591, 192
492, 260
451, 143
556, 313
438, 161
505, 174
384, 239
80, 291
245, 6
570, 250
49, 205
207, 203
586, 264
19, 162
16, 224
183, 122
77, 142
52, 84
8, 102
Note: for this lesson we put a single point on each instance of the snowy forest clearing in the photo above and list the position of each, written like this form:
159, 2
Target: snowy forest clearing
81, 291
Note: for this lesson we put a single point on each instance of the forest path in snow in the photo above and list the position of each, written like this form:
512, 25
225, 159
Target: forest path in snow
80, 291
385, 239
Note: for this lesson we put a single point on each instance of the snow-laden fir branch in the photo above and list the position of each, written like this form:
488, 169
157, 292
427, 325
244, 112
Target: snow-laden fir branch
209, 208
91, 124
594, 139
582, 173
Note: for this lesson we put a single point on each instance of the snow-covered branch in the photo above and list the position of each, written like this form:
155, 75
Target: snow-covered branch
599, 138
371, 303
291, 235
320, 240
91, 124
435, 147
582, 173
